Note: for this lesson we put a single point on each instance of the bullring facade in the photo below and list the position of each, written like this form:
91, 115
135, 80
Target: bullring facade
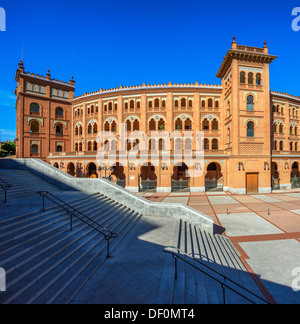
251, 135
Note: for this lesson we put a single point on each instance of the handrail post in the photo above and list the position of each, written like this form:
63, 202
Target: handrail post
71, 222
43, 202
224, 300
176, 261
107, 254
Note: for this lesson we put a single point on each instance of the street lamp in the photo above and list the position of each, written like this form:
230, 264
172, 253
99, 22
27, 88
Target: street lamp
105, 168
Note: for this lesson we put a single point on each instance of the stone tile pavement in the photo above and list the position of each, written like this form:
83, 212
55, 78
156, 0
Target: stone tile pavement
266, 230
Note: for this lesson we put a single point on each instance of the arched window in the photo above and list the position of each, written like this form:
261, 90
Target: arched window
136, 125
274, 128
128, 125
183, 102
215, 125
190, 103
291, 130
275, 145
80, 147
178, 144
188, 144
205, 124
60, 93
150, 104
296, 146
28, 86
34, 108
152, 125
156, 103
89, 146
178, 124
258, 79
296, 130
66, 95
215, 144
217, 104
250, 129
76, 131
229, 135
188, 124
34, 127
152, 145
163, 104
206, 144
54, 92
243, 77
59, 148
176, 103
34, 149
95, 128
80, 130
161, 144
95, 146
90, 129
250, 78
291, 146
59, 130
126, 105
35, 88
76, 147
106, 126
113, 126
42, 90
210, 103
59, 112
161, 124
281, 129
281, 145
250, 103
132, 104
203, 103
113, 145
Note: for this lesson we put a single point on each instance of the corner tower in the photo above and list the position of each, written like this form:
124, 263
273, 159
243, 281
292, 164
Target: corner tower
44, 114
247, 123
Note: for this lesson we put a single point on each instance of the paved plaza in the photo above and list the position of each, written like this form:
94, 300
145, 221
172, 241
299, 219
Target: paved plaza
265, 228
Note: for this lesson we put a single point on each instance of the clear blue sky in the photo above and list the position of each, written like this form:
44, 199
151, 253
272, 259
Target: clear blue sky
108, 43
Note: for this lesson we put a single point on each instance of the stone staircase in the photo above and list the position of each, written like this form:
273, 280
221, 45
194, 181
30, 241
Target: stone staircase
44, 261
24, 185
194, 287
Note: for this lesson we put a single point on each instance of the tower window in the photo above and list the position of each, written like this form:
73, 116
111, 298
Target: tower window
250, 103
250, 129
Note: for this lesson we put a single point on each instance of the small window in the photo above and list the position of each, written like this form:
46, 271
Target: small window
34, 149
243, 77
42, 89
59, 148
250, 78
34, 108
258, 79
250, 129
59, 130
250, 103
35, 127
156, 103
59, 112
183, 102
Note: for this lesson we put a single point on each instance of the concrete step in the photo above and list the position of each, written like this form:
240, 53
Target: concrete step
45, 262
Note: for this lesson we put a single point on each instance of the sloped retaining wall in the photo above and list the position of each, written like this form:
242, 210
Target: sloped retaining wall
111, 190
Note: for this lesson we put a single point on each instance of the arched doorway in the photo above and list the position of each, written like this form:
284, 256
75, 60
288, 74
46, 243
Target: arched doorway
92, 170
295, 175
71, 169
118, 175
214, 178
275, 177
180, 178
148, 178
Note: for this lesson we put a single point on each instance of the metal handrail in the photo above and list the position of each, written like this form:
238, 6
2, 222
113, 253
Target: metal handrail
5, 186
74, 212
223, 284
